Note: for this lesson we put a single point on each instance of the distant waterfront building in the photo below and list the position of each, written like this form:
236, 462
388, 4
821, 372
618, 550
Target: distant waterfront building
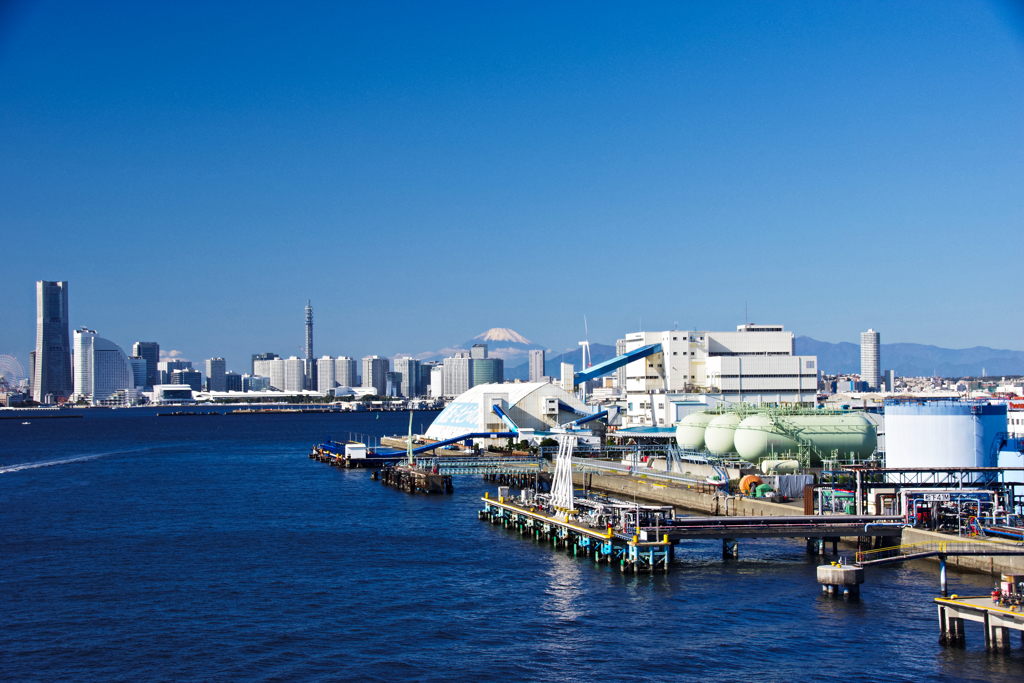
139, 367
102, 368
295, 377
259, 357
426, 376
890, 380
537, 358
437, 381
52, 364
325, 374
458, 374
346, 372
409, 377
232, 381
375, 371
255, 383
188, 377
392, 383
216, 368
478, 352
488, 371
151, 352
869, 359
165, 367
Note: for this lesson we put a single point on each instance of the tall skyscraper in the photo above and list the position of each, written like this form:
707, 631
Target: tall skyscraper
537, 357
488, 371
151, 352
138, 364
216, 368
101, 367
165, 367
478, 352
52, 374
188, 376
409, 384
869, 359
375, 371
325, 375
310, 360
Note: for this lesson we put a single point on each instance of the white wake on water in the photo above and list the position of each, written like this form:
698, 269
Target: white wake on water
64, 461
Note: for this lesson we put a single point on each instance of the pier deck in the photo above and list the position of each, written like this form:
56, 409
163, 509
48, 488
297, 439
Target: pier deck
998, 620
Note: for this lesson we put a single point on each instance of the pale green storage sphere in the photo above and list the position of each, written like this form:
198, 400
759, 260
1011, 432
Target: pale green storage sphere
720, 433
690, 430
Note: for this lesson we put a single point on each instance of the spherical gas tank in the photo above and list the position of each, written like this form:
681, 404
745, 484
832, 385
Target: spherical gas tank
757, 437
719, 437
690, 430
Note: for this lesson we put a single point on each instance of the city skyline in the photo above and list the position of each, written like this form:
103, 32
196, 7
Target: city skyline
789, 160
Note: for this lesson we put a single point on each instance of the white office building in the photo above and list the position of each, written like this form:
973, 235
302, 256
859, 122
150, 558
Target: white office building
869, 359
102, 368
325, 374
346, 372
437, 381
294, 373
216, 371
458, 374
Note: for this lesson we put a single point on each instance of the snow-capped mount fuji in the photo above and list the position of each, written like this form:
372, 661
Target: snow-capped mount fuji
504, 343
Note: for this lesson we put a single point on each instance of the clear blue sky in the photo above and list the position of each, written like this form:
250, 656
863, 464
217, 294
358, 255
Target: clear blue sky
426, 171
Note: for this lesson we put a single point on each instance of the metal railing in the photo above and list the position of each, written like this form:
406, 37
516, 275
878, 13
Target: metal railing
928, 548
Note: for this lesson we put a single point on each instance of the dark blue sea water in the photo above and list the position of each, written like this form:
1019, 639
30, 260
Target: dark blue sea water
213, 549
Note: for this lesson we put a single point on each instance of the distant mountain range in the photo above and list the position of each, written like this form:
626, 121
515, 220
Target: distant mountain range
908, 360
915, 360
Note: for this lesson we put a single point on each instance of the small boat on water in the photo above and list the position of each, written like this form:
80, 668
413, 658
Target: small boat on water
26, 423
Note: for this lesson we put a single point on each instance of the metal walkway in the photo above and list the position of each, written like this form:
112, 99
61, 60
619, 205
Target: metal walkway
481, 465
919, 551
789, 526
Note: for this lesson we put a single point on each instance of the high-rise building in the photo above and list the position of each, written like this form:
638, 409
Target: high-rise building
890, 380
537, 357
295, 374
426, 376
151, 352
189, 377
101, 369
375, 371
52, 376
325, 374
311, 366
261, 356
488, 371
437, 381
458, 374
165, 367
139, 368
255, 383
409, 383
392, 382
216, 368
345, 372
478, 352
232, 381
869, 359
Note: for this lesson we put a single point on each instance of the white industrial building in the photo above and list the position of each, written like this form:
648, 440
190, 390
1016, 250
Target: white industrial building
755, 364
532, 407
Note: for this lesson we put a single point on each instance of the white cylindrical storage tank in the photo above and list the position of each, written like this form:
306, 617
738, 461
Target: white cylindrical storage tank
690, 430
942, 434
720, 433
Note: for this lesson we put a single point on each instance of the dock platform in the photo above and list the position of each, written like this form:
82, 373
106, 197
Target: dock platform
998, 619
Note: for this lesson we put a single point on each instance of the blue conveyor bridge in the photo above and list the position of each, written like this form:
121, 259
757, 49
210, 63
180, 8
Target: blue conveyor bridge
615, 363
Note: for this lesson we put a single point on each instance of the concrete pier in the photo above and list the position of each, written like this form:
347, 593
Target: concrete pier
837, 579
997, 621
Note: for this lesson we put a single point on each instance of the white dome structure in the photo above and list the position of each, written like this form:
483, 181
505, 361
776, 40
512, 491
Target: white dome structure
537, 406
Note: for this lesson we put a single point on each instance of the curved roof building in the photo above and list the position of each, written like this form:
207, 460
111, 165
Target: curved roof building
539, 406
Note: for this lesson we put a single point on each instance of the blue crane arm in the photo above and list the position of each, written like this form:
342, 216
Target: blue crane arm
505, 418
615, 363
